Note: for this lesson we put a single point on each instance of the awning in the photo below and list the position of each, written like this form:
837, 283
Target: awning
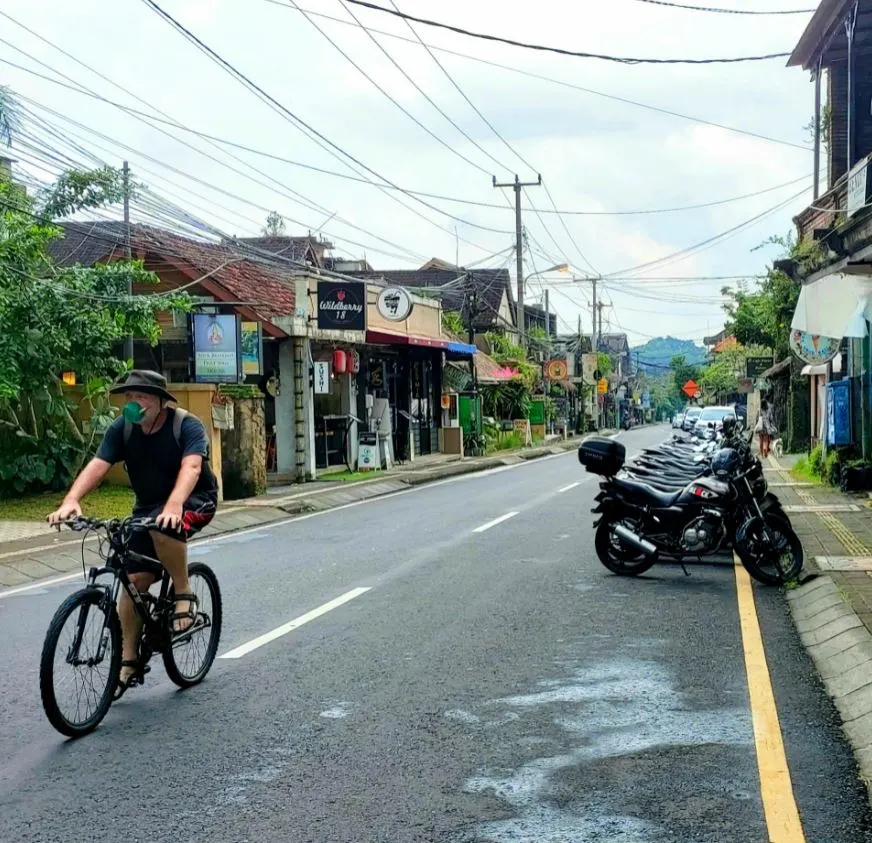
837, 305
387, 338
462, 348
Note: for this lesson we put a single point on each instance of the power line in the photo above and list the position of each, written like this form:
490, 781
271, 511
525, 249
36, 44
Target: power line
728, 11
558, 50
384, 185
334, 149
399, 105
686, 252
553, 81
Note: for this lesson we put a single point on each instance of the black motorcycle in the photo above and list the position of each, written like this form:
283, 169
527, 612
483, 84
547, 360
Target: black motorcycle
639, 523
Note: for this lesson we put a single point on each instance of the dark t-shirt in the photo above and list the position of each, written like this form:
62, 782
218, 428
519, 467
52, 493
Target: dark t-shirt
153, 461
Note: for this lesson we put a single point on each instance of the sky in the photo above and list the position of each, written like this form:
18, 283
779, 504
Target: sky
596, 154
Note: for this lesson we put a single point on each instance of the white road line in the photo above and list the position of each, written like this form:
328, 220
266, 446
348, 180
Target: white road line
494, 523
290, 626
567, 488
41, 584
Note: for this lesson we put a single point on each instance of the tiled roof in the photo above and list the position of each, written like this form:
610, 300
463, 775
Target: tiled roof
303, 249
270, 286
490, 283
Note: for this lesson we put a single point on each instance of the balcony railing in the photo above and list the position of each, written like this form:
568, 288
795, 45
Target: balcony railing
825, 212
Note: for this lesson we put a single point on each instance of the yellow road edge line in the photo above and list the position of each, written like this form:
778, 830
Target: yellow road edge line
776, 789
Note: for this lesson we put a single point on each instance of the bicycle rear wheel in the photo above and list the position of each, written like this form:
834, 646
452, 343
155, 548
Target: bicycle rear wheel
188, 657
81, 658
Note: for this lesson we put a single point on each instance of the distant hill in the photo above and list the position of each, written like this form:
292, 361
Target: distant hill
655, 355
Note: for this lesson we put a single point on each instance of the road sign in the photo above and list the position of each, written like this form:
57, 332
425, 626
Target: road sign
691, 389
602, 386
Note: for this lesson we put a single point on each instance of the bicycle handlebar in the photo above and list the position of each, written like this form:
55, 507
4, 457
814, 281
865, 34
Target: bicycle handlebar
82, 523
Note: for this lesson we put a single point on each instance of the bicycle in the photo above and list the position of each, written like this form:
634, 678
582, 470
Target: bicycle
99, 651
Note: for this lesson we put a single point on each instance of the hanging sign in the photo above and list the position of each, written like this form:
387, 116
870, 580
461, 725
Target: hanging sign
556, 370
251, 342
755, 366
216, 348
602, 386
394, 304
342, 306
812, 348
321, 371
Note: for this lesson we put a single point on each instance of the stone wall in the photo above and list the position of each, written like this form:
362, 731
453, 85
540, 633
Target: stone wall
243, 450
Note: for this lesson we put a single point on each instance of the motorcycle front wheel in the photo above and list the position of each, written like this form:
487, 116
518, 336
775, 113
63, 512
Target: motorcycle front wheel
774, 562
618, 557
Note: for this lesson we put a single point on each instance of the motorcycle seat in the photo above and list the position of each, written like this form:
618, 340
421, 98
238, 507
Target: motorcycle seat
638, 490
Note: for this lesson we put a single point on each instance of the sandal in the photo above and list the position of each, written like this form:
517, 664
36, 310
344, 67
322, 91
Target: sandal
189, 615
123, 684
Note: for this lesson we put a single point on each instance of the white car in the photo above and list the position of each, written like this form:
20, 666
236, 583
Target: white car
711, 420
678, 419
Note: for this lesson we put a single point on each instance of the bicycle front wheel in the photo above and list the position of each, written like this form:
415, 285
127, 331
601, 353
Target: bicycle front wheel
190, 654
81, 658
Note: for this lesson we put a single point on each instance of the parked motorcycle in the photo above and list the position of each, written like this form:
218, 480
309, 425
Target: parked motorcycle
639, 521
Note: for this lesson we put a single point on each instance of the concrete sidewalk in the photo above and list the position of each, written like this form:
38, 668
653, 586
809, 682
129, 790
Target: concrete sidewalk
833, 611
36, 552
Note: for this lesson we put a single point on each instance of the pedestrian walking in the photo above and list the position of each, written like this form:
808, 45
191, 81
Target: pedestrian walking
765, 427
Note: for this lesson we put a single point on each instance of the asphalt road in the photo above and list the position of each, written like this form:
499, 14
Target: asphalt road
494, 686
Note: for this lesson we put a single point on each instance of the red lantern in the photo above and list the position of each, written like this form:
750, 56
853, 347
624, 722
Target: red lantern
353, 361
340, 361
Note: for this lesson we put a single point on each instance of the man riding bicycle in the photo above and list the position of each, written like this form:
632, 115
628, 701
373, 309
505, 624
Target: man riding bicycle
166, 455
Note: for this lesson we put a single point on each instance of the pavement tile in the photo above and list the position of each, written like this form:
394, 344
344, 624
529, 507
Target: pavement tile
32, 568
832, 629
806, 625
859, 733
9, 576
856, 704
850, 681
821, 584
850, 659
60, 561
838, 644
808, 609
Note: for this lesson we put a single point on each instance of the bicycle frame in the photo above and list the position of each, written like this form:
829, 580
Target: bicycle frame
151, 610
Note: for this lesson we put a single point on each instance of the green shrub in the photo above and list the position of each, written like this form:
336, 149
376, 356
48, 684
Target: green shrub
815, 459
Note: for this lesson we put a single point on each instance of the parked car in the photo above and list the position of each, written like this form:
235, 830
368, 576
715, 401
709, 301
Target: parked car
690, 417
710, 420
678, 419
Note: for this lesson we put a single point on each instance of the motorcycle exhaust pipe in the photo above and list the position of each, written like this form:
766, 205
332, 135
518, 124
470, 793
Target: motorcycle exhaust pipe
630, 538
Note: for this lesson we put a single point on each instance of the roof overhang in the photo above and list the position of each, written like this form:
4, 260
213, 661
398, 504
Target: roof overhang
816, 46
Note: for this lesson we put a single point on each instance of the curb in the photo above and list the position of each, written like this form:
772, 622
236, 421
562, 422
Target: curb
841, 648
41, 562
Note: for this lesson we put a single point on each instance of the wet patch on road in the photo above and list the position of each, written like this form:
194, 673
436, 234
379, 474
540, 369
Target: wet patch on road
631, 759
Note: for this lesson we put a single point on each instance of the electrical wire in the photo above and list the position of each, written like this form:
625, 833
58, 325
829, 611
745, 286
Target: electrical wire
399, 105
383, 185
707, 243
332, 148
558, 50
728, 11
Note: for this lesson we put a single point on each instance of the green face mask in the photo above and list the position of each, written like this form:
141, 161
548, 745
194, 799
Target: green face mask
133, 412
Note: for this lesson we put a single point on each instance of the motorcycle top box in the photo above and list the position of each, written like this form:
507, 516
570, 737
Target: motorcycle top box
602, 456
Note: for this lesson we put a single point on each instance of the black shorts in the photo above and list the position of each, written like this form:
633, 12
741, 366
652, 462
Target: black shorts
197, 512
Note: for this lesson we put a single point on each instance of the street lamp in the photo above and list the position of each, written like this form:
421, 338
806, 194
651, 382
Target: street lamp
522, 316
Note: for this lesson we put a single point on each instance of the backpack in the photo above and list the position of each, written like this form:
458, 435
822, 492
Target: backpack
179, 416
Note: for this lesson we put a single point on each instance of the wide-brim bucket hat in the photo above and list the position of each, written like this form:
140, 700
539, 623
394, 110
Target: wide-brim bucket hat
143, 380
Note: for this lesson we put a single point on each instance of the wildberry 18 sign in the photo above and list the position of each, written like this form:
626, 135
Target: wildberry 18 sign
342, 306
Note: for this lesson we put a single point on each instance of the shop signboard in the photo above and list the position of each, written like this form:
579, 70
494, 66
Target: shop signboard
251, 342
556, 370
755, 366
367, 451
602, 386
394, 304
216, 348
341, 306
857, 182
322, 377
839, 413
589, 363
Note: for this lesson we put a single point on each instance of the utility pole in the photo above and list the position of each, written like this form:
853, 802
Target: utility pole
600, 309
516, 185
547, 317
125, 173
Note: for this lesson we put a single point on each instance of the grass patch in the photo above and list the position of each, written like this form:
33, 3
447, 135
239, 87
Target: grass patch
804, 472
347, 476
105, 502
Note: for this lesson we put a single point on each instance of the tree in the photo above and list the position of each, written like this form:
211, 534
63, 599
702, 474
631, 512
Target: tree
275, 225
55, 320
682, 372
